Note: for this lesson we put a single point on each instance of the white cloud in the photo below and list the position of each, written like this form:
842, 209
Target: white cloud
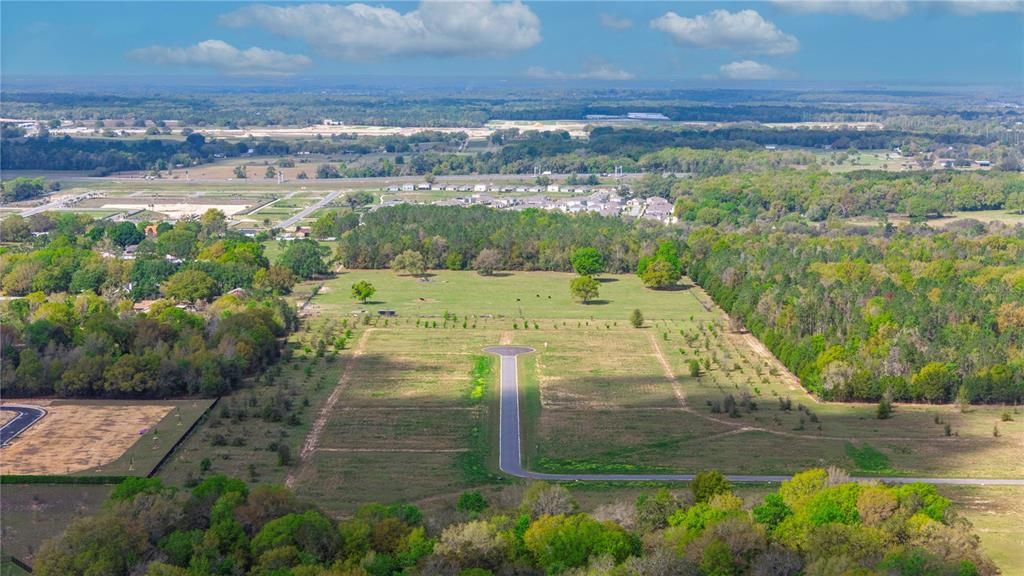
434, 27
750, 70
971, 7
873, 9
615, 22
596, 70
224, 57
743, 31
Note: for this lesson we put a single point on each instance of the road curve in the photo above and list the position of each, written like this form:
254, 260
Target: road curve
27, 416
510, 441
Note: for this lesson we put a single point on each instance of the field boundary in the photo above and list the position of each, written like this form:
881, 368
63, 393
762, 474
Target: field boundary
181, 440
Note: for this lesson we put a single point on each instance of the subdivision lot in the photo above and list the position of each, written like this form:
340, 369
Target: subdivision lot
101, 437
407, 424
602, 396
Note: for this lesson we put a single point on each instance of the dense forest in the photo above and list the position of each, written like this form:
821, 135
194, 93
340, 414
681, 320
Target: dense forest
452, 237
84, 346
740, 198
915, 315
218, 318
818, 523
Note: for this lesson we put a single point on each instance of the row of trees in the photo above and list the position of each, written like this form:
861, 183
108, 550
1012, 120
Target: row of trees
912, 316
455, 238
818, 523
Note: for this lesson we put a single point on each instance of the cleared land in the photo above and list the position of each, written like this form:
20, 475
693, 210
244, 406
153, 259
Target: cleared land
101, 437
32, 513
600, 395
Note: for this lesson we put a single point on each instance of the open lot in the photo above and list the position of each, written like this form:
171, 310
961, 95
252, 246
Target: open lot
103, 437
599, 395
30, 514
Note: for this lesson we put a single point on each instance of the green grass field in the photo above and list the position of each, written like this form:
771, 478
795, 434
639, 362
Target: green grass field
602, 396
32, 513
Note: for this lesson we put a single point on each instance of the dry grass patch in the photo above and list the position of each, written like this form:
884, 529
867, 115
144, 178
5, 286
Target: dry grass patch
76, 437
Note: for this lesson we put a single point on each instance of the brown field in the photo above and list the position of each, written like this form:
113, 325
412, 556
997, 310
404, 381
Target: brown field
6, 416
76, 437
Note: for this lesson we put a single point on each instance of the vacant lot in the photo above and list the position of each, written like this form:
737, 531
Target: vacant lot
105, 437
601, 395
32, 513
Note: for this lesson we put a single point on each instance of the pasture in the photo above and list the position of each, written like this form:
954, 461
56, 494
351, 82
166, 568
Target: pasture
599, 395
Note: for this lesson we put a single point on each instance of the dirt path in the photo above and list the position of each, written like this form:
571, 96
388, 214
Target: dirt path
313, 439
506, 338
677, 388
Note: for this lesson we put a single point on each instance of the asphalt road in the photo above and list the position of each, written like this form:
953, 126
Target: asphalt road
27, 416
288, 223
510, 440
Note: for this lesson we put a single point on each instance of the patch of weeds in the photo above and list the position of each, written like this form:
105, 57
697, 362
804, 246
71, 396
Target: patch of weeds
868, 459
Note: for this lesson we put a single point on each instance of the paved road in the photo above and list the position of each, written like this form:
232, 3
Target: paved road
510, 440
27, 416
285, 224
54, 205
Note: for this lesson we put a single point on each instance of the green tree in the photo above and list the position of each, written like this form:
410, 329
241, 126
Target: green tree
660, 274
409, 262
125, 234
305, 258
935, 381
884, 409
189, 285
14, 228
327, 171
147, 275
471, 501
214, 223
771, 512
363, 291
587, 261
562, 542
637, 318
270, 173
275, 279
708, 483
241, 172
22, 188
717, 560
584, 288
694, 367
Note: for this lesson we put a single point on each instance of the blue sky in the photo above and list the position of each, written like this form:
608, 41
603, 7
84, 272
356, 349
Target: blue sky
965, 42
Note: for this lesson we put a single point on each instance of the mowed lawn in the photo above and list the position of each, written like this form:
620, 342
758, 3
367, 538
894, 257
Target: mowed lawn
599, 395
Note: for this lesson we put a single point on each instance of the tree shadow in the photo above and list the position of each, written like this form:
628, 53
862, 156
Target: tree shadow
607, 280
674, 288
598, 302
500, 275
